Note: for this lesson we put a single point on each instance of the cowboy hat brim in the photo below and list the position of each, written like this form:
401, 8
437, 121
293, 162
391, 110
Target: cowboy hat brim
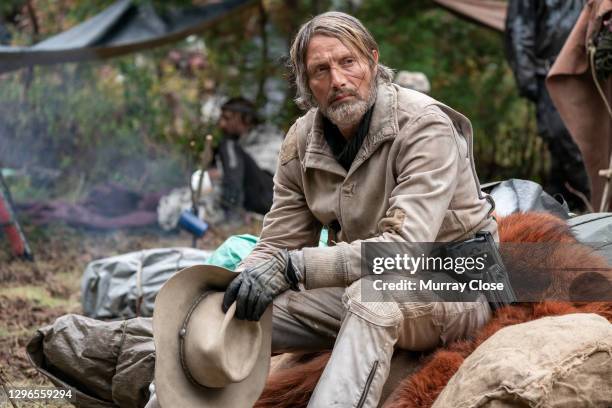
172, 303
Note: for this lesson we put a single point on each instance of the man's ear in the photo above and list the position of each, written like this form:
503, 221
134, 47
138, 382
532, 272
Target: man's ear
375, 56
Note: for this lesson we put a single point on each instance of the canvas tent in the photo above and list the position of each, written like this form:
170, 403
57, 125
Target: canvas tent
490, 13
124, 27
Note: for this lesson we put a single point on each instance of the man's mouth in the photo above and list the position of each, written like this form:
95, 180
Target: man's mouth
341, 97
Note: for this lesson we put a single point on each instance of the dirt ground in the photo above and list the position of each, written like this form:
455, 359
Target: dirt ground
34, 294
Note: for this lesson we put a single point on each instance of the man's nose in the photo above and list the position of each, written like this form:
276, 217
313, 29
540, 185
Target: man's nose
338, 79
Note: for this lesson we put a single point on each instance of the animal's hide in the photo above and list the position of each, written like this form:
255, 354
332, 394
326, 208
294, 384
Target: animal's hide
545, 261
291, 386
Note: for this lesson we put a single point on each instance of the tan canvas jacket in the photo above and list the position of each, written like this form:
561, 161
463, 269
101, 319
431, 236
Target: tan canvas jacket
413, 180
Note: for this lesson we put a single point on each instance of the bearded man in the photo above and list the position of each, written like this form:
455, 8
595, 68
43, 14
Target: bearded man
248, 154
372, 162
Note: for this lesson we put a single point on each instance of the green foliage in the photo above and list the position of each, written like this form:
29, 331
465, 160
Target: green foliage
91, 123
9, 6
136, 119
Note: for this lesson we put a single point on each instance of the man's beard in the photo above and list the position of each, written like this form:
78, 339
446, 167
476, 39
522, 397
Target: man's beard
349, 113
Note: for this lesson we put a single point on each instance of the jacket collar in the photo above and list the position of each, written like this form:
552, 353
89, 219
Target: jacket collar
383, 126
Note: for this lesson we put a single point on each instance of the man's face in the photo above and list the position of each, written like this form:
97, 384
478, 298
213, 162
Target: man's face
341, 81
231, 123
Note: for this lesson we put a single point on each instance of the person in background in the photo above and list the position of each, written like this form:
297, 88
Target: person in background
535, 33
247, 153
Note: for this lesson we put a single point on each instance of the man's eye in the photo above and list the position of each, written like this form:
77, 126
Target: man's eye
348, 61
319, 71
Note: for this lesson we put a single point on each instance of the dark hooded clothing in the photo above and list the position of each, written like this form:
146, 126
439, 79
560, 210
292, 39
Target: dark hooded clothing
535, 33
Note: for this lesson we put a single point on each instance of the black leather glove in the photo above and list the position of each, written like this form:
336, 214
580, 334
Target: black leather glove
257, 286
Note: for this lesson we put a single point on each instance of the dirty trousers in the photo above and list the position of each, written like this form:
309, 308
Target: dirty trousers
363, 336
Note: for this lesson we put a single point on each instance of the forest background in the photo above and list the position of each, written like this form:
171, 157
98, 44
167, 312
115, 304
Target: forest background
140, 119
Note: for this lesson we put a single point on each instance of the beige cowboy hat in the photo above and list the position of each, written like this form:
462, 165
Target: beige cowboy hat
204, 357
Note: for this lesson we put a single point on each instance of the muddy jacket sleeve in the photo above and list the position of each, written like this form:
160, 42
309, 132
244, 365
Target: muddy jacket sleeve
289, 224
426, 155
520, 44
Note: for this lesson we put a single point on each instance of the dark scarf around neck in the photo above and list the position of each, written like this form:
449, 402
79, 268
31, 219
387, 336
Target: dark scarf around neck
345, 151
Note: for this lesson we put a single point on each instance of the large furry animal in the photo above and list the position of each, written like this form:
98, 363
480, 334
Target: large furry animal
291, 383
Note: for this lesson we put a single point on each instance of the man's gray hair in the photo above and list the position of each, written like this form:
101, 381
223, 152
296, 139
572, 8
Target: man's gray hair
345, 28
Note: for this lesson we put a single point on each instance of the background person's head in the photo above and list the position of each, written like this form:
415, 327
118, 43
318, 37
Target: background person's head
238, 116
335, 62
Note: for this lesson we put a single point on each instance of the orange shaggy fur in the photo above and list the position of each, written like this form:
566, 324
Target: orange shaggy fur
292, 386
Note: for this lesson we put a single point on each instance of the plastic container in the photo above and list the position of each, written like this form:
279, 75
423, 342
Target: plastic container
190, 222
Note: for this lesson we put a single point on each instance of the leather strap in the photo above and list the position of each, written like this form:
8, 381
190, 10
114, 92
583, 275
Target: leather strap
183, 332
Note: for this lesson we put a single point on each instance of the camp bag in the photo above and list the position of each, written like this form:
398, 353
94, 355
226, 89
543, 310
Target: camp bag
594, 230
232, 251
555, 362
106, 364
125, 286
518, 196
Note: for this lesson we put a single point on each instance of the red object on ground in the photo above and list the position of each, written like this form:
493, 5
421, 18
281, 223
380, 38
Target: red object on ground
10, 226
11, 231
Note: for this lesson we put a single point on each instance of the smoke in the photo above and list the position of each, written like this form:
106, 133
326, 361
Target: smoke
77, 122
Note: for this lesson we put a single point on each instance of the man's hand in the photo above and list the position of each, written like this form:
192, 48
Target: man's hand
256, 287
